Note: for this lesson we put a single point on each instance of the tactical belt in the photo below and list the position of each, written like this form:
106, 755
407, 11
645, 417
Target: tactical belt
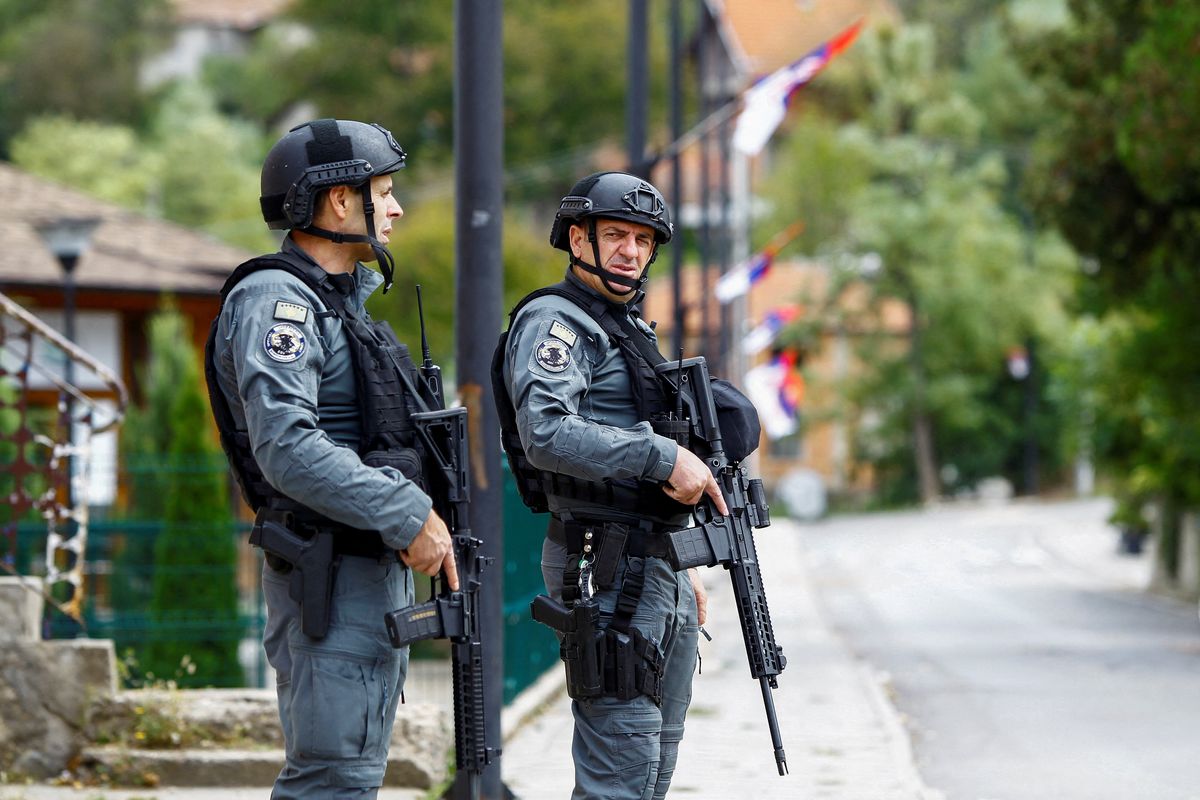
347, 541
641, 543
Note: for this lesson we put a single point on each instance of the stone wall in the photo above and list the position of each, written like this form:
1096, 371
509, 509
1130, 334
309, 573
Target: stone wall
60, 709
46, 688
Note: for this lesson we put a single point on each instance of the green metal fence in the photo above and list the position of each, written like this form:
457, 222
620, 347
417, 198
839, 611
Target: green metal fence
120, 570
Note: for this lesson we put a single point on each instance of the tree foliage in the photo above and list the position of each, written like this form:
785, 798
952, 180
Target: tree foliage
74, 57
914, 182
193, 605
1119, 172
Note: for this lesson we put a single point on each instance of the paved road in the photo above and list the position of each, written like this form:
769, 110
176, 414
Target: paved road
1026, 659
843, 739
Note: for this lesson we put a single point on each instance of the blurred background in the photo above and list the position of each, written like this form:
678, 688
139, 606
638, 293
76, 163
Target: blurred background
974, 241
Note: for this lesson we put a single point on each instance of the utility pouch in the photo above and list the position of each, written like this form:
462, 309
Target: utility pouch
405, 460
672, 427
622, 664
613, 538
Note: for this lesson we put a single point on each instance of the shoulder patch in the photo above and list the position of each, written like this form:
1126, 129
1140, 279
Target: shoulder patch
552, 356
284, 343
293, 312
563, 332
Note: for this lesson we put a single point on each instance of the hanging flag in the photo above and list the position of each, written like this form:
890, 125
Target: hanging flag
737, 281
766, 102
776, 388
766, 331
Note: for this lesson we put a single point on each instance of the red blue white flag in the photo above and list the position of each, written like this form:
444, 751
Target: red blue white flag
766, 102
768, 329
777, 389
737, 281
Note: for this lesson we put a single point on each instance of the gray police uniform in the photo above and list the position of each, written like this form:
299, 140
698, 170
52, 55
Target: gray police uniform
284, 365
575, 414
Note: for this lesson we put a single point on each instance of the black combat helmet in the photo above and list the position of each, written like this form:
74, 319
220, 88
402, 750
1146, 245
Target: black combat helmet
320, 154
611, 195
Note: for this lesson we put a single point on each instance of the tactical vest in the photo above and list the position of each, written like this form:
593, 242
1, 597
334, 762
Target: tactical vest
650, 399
385, 406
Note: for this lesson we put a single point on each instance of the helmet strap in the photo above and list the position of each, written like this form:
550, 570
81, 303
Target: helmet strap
628, 285
387, 264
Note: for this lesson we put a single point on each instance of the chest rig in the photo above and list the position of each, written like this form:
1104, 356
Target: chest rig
385, 406
649, 397
613, 660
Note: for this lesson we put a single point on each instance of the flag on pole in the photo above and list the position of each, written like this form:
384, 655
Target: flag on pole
766, 331
776, 388
737, 281
767, 100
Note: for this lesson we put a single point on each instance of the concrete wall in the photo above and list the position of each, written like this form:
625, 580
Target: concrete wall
46, 688
60, 708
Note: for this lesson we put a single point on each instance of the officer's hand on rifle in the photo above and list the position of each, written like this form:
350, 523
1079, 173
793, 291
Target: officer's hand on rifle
690, 480
430, 550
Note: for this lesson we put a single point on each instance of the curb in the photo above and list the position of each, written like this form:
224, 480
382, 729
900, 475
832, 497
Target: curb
532, 701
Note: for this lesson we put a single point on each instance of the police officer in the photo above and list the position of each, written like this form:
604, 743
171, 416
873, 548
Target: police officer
577, 394
307, 396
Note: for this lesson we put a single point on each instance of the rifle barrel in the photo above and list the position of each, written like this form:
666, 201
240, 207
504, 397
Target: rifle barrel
773, 724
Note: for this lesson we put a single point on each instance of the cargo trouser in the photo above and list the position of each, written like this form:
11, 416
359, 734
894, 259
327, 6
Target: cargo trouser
337, 695
627, 748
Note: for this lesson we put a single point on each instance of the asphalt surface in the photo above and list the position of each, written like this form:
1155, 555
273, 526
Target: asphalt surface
1026, 658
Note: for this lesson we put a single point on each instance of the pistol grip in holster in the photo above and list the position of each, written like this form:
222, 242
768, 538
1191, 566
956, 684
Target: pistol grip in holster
313, 568
581, 642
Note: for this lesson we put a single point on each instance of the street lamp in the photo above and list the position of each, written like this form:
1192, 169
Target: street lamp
67, 238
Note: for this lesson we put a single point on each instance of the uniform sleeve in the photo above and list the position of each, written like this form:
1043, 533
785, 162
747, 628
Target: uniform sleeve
547, 379
278, 366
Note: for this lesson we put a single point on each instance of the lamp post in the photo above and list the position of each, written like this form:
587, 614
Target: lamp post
68, 238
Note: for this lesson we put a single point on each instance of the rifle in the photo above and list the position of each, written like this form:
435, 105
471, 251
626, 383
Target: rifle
452, 615
728, 541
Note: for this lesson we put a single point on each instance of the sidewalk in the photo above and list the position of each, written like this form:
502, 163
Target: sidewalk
843, 738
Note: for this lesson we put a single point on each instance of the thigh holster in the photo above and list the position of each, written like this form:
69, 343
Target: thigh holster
617, 661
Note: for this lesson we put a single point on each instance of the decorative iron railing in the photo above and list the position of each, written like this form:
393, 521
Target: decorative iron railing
46, 447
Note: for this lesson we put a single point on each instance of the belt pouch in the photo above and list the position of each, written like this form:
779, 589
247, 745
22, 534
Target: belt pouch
624, 667
608, 556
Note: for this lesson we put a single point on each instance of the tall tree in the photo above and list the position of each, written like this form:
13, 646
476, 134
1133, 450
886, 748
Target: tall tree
194, 607
1119, 171
192, 629
74, 57
922, 194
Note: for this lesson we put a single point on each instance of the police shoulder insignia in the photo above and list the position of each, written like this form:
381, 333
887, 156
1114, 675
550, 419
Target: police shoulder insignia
552, 355
563, 332
291, 311
284, 343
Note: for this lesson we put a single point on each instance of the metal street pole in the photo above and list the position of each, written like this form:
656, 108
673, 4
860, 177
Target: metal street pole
702, 62
676, 177
478, 201
636, 79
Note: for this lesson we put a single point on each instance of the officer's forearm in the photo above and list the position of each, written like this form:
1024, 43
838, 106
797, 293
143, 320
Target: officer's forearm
572, 445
